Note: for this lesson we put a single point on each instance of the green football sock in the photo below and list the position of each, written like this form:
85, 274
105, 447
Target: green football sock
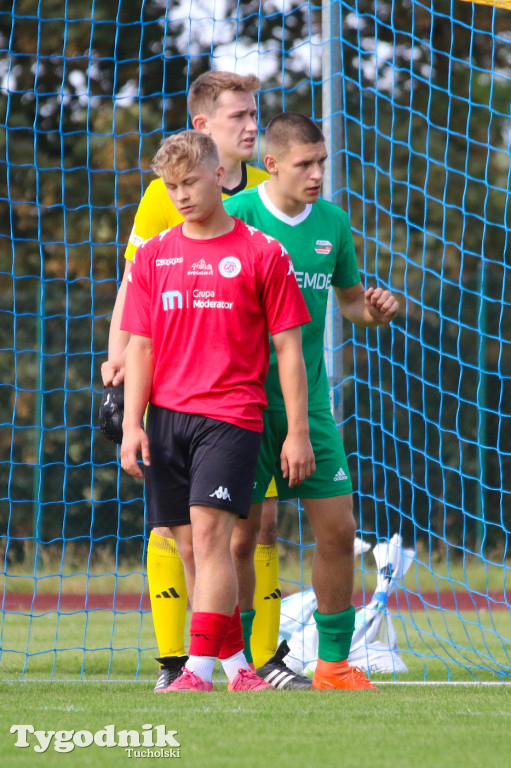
335, 631
247, 619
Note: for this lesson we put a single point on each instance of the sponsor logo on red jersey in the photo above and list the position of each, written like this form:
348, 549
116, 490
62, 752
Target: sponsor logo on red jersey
169, 262
230, 266
200, 268
172, 300
197, 300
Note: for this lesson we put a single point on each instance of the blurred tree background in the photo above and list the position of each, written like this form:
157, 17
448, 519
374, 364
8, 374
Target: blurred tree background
88, 93
426, 124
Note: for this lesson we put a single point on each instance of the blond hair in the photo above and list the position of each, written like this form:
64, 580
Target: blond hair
179, 153
207, 88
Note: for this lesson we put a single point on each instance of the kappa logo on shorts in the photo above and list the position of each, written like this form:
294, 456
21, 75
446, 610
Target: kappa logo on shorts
221, 493
340, 475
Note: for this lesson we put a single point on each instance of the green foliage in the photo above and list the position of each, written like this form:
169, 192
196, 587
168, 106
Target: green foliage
90, 95
74, 179
425, 124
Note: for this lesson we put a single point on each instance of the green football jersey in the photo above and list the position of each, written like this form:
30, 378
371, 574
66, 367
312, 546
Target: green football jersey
320, 245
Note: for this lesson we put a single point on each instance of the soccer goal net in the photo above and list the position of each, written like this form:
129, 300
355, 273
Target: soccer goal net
414, 102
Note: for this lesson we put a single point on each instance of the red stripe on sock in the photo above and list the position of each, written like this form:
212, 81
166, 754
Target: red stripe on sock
233, 641
207, 633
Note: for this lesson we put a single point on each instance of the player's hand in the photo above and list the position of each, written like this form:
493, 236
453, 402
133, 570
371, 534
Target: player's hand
134, 441
382, 305
297, 459
112, 373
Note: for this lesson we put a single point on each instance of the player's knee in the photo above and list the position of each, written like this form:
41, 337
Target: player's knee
166, 533
186, 554
211, 536
268, 531
244, 540
347, 534
339, 538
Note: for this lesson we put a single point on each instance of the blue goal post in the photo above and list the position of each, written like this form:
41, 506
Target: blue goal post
413, 99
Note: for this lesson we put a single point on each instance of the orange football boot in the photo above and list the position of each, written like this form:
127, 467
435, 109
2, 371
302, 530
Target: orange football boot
330, 675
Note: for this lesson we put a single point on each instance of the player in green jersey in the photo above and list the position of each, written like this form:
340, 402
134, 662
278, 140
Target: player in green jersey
318, 237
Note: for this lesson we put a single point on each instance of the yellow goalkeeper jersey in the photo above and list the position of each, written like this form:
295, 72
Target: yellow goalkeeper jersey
156, 212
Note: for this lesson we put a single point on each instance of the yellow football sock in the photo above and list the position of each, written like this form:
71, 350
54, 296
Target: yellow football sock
167, 590
267, 598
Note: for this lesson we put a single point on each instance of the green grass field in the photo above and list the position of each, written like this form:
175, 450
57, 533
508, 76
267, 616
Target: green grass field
395, 727
85, 670
98, 645
400, 725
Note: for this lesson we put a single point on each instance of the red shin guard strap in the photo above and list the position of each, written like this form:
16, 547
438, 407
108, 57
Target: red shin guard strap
207, 633
233, 641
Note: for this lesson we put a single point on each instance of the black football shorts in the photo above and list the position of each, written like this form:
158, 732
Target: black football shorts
196, 460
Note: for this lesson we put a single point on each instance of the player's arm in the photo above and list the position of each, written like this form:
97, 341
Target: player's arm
370, 308
137, 391
150, 220
297, 457
112, 370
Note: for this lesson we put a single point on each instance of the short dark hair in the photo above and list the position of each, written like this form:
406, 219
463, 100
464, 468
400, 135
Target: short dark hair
207, 88
288, 128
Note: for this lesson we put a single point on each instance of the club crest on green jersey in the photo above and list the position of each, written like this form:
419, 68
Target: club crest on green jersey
323, 247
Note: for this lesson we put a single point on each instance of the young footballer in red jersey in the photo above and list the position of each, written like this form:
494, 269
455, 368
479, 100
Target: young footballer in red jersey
318, 238
200, 301
222, 105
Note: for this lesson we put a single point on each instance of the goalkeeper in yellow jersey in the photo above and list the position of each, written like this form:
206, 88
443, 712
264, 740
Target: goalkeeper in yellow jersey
222, 105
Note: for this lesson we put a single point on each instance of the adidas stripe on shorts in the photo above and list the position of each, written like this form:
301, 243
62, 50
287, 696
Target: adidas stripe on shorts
331, 478
196, 460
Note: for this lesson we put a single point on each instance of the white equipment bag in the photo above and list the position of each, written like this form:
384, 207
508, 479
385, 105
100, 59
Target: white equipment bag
374, 645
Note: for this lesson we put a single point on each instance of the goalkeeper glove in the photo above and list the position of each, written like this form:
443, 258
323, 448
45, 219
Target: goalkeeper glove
111, 413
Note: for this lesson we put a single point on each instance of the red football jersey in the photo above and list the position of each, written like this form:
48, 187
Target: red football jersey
208, 305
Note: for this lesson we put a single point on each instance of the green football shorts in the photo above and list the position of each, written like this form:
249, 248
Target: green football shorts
331, 478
